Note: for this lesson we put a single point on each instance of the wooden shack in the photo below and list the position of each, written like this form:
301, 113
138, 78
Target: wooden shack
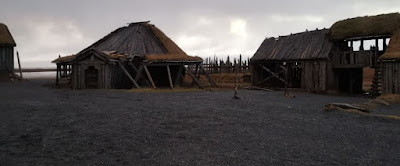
390, 62
325, 60
7, 45
136, 55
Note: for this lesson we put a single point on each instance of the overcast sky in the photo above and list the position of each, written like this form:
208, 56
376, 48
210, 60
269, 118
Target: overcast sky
44, 29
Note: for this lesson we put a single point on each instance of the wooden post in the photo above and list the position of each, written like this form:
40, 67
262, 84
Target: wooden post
169, 78
196, 73
362, 45
351, 45
127, 74
384, 45
178, 75
58, 70
209, 78
19, 66
149, 76
194, 78
236, 82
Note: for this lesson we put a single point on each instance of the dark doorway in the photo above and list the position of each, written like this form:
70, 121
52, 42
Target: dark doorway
350, 80
91, 78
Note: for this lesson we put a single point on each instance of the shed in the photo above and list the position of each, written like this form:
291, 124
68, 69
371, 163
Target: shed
391, 66
136, 55
7, 45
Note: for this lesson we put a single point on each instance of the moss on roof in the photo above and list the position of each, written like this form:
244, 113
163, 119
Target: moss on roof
379, 25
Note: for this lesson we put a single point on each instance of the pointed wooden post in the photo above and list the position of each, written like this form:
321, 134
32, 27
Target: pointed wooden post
149, 76
169, 78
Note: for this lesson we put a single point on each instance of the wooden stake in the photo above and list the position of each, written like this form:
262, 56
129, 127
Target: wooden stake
149, 76
19, 65
169, 78
235, 96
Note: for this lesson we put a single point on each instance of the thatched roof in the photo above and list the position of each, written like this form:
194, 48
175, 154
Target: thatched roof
301, 46
380, 25
6, 38
142, 40
393, 50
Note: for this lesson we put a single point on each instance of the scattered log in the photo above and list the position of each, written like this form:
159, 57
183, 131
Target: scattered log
345, 106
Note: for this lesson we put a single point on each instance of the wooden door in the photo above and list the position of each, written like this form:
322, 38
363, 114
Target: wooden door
91, 78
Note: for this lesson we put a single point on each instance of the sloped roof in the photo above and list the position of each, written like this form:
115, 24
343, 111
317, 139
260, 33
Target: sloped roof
301, 46
108, 54
393, 50
140, 39
379, 25
6, 38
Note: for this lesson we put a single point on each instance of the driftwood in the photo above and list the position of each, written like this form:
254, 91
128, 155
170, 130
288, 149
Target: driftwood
346, 106
258, 88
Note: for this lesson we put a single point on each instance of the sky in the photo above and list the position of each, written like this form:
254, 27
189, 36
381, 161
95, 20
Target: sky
45, 29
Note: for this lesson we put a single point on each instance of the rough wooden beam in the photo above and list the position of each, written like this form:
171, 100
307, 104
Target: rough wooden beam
178, 75
19, 65
57, 77
149, 76
268, 78
208, 77
127, 74
169, 78
194, 78
139, 73
274, 74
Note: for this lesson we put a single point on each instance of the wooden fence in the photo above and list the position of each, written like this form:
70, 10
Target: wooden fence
215, 65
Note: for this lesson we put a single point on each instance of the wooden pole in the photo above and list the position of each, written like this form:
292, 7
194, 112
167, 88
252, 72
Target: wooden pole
209, 78
169, 78
19, 66
127, 74
194, 78
235, 96
57, 78
178, 75
149, 76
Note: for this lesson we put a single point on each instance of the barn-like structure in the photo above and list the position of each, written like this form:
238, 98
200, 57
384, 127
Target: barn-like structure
390, 62
7, 45
136, 55
326, 60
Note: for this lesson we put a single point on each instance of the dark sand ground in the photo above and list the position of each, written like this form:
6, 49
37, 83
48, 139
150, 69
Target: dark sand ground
45, 126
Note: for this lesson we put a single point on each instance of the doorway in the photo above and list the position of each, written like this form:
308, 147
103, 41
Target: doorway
91, 78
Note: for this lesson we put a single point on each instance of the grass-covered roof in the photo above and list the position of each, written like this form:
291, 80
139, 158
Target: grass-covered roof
379, 25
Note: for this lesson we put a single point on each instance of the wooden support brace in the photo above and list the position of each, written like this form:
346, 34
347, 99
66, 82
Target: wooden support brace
274, 74
127, 74
208, 77
268, 78
149, 76
194, 78
139, 73
57, 77
178, 75
169, 78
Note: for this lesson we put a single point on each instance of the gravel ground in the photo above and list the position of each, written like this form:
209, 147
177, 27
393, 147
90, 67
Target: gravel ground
45, 126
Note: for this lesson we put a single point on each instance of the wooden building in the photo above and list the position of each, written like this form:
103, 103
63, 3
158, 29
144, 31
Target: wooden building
7, 45
136, 55
325, 60
390, 62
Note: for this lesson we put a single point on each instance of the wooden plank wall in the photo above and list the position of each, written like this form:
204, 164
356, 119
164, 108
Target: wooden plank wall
391, 77
7, 59
314, 75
